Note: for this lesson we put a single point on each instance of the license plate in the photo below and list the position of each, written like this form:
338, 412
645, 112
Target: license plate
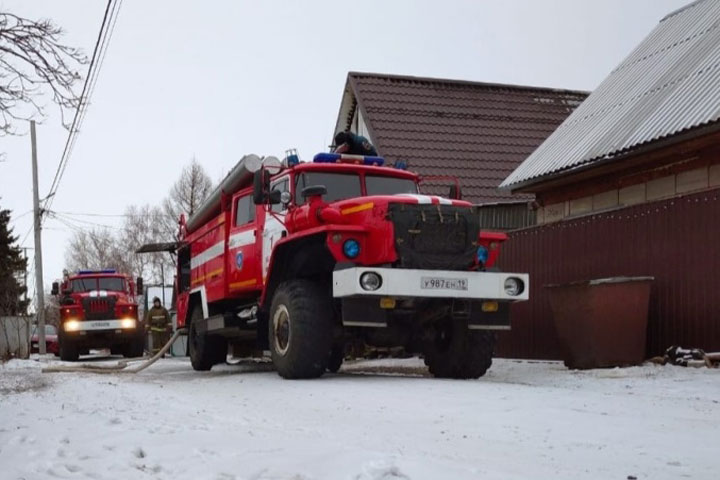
99, 324
439, 283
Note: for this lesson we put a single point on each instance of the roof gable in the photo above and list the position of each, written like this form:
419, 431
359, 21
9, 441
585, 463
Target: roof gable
478, 132
669, 84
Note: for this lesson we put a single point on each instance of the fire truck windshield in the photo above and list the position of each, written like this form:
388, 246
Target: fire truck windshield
113, 284
339, 185
375, 185
343, 185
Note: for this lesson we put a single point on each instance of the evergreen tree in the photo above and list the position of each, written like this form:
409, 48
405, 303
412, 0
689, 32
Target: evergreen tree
12, 267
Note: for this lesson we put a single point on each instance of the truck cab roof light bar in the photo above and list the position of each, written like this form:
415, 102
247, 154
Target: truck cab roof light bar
345, 158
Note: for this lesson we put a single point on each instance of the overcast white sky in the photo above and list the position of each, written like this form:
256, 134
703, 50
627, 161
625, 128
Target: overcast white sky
224, 78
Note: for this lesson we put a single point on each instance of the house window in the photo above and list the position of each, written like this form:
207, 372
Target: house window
245, 211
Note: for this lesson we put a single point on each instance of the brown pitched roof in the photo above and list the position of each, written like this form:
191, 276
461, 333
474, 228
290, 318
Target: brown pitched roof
478, 132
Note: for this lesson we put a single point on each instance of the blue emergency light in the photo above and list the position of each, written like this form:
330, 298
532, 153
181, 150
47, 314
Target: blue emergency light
400, 165
92, 272
345, 158
291, 157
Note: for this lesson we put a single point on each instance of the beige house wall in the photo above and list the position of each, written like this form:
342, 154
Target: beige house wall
656, 189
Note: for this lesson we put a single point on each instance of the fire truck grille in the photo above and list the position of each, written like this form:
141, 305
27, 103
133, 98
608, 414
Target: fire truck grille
99, 308
435, 237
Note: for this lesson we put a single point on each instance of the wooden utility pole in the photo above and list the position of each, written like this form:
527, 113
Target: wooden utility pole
37, 215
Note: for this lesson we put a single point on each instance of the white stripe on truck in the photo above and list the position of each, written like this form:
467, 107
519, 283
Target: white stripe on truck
207, 255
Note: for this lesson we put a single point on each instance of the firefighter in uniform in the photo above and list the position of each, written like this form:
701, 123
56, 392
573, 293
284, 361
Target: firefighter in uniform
351, 143
157, 319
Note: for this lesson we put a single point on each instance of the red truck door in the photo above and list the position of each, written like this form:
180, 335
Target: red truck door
243, 255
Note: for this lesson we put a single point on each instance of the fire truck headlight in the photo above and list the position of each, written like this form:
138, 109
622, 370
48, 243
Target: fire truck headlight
351, 248
127, 323
370, 281
514, 286
71, 326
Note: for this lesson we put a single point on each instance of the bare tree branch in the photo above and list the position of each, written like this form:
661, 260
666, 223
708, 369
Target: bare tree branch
33, 64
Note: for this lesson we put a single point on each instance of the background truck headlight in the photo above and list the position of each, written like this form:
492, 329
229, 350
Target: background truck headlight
370, 281
71, 326
514, 286
127, 323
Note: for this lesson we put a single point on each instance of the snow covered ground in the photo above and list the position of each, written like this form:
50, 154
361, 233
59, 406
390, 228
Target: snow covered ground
375, 420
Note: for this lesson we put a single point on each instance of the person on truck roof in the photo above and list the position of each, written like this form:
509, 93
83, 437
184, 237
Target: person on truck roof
157, 319
351, 143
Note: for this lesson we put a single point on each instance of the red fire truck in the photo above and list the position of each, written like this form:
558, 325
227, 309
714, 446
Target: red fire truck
308, 259
98, 309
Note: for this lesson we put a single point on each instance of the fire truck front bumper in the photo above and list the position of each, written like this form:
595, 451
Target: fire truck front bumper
106, 333
116, 325
373, 297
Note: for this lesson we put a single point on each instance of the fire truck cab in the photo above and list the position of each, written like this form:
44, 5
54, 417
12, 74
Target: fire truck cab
313, 260
98, 309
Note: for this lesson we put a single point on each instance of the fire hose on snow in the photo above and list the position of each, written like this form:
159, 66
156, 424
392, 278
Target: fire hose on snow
121, 366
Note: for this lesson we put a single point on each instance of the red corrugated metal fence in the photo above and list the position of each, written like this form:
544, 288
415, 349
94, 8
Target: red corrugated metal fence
677, 241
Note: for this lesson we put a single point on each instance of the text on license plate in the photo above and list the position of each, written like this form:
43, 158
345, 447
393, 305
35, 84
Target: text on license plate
435, 283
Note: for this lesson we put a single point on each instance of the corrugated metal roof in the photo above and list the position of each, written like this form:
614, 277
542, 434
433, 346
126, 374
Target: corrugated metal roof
477, 132
669, 84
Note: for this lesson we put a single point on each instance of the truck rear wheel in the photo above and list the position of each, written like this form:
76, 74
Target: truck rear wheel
457, 352
205, 350
68, 350
300, 329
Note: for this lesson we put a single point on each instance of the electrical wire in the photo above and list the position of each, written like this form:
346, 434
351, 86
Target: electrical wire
74, 222
115, 215
106, 29
27, 234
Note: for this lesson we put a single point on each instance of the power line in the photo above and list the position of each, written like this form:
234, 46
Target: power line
27, 234
116, 215
106, 29
93, 78
66, 218
56, 179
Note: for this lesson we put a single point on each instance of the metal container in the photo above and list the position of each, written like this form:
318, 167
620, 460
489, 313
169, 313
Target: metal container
602, 323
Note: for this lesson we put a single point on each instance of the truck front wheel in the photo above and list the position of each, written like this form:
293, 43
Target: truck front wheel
68, 350
300, 329
205, 350
134, 348
457, 352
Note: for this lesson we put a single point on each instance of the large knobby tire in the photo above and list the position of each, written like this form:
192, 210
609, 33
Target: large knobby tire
335, 361
68, 350
458, 352
134, 349
205, 350
300, 329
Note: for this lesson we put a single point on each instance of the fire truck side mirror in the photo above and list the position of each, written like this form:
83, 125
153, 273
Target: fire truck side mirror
274, 197
55, 289
139, 286
261, 186
455, 192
